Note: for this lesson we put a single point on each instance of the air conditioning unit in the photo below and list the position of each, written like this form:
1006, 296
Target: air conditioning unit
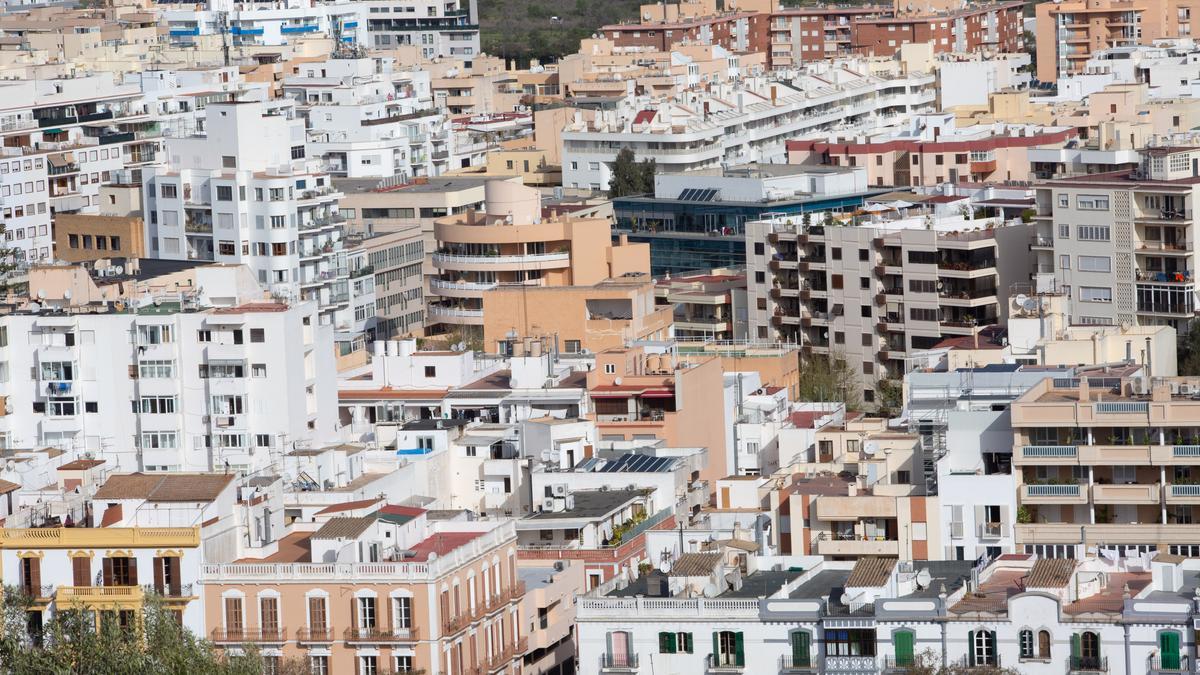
559, 489
548, 504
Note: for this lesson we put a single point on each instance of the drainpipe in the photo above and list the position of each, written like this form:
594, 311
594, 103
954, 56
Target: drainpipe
946, 643
1128, 657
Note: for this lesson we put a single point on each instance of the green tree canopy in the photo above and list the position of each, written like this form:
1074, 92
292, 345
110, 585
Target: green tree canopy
630, 177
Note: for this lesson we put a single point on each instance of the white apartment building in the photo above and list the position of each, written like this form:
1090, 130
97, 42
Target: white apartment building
242, 191
736, 123
263, 24
443, 30
1122, 245
367, 118
169, 384
62, 139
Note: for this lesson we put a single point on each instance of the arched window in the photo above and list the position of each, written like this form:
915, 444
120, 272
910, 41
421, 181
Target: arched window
1044, 644
1026, 640
1085, 651
983, 647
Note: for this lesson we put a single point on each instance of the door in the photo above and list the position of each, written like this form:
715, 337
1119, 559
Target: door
801, 648
1168, 647
904, 648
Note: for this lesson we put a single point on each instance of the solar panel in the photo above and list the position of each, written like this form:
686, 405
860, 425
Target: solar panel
637, 463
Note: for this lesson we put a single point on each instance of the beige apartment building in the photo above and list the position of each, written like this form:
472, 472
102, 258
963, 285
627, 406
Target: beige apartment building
1108, 461
516, 244
1068, 32
874, 292
396, 261
708, 305
80, 237
1123, 243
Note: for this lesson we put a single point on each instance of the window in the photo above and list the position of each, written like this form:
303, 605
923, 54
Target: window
1091, 202
1095, 294
318, 665
159, 440
168, 191
850, 642
1085, 651
155, 405
572, 346
257, 335
728, 648
258, 370
224, 193
1025, 640
156, 369
1094, 232
674, 643
228, 162
368, 665
404, 664
1094, 263
402, 613
982, 644
366, 613
430, 371
1043, 644
610, 368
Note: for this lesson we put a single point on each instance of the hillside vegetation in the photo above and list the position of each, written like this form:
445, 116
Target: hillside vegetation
546, 29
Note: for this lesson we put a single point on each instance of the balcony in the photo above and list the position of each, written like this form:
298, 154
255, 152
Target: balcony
1183, 494
88, 538
857, 547
245, 635
992, 530
536, 261
1047, 454
1126, 494
1170, 665
1079, 665
314, 636
1053, 494
99, 596
803, 666
1041, 243
722, 665
618, 663
1101, 455
472, 317
377, 634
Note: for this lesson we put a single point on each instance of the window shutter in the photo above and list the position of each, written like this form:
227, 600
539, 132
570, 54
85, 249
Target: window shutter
133, 577
172, 564
609, 651
971, 647
354, 613
35, 576
904, 648
107, 571
158, 575
740, 647
662, 643
993, 654
672, 647
716, 647
1075, 649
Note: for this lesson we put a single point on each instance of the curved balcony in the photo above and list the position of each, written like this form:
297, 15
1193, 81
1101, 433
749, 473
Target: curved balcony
473, 263
463, 317
459, 289
463, 233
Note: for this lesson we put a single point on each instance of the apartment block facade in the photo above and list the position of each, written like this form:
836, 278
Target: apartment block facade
1122, 244
871, 294
243, 192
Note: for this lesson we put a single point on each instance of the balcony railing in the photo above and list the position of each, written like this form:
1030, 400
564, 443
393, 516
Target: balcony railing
244, 635
724, 664
380, 634
314, 635
618, 662
1157, 665
788, 663
1087, 664
1052, 490
1042, 451
1122, 407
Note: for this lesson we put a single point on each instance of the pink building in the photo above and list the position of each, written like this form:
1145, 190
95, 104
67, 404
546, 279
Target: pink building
393, 591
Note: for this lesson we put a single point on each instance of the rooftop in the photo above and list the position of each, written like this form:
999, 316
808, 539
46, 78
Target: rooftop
592, 504
173, 487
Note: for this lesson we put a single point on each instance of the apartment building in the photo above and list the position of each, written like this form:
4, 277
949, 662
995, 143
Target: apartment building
267, 25
211, 386
816, 33
514, 241
640, 395
396, 590
549, 606
695, 220
368, 118
1103, 460
449, 30
79, 237
930, 150
393, 261
1069, 32
869, 294
603, 70
736, 124
993, 27
1121, 243
62, 139
91, 558
243, 192
706, 305
879, 616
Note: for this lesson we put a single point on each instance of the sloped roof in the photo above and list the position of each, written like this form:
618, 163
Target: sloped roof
173, 487
870, 572
343, 528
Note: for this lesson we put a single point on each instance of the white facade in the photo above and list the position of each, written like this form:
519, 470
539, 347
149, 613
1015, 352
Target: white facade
154, 390
445, 30
749, 122
267, 23
243, 192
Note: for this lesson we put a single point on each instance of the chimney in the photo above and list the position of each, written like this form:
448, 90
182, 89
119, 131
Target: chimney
773, 93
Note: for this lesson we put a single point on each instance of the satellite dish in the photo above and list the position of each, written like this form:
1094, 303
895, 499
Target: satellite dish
617, 381
844, 599
1021, 299
67, 294
1030, 304
870, 448
924, 577
665, 566
41, 294
118, 270
711, 590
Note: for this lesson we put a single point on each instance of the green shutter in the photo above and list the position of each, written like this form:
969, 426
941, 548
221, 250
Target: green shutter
609, 651
993, 651
671, 647
687, 643
665, 645
971, 647
716, 647
741, 648
1075, 649
801, 648
1168, 643
904, 647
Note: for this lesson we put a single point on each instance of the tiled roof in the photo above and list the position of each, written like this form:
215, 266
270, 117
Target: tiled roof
1050, 573
80, 464
348, 506
1111, 598
7, 486
870, 572
343, 528
175, 487
695, 564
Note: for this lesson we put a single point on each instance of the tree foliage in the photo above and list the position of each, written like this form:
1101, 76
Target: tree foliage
1189, 351
829, 378
80, 642
889, 394
928, 663
629, 176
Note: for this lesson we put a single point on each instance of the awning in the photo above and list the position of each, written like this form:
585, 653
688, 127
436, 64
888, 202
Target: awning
60, 159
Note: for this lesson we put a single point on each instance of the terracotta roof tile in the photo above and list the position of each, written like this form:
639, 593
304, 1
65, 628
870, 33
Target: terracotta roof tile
343, 528
173, 487
348, 506
1050, 573
695, 564
870, 572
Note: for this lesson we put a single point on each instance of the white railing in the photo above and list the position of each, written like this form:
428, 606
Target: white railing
461, 285
1185, 490
439, 258
1048, 451
456, 313
1052, 490
664, 607
343, 572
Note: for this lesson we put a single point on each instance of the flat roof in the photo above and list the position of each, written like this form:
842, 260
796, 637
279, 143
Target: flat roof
591, 504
